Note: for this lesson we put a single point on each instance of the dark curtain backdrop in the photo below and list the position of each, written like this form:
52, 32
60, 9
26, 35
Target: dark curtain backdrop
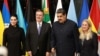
36, 4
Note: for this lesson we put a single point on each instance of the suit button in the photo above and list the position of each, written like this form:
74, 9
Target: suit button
38, 47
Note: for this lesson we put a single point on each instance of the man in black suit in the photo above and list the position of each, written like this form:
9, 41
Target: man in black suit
38, 36
65, 36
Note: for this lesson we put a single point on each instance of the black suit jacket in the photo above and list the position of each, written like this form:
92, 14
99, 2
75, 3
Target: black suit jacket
65, 38
90, 47
33, 40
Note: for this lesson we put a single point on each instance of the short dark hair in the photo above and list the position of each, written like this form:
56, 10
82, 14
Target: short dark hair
61, 11
39, 10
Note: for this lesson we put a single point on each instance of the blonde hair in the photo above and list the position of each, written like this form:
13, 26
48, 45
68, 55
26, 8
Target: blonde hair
87, 35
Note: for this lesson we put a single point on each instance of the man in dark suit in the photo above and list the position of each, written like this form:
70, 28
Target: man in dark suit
65, 36
38, 36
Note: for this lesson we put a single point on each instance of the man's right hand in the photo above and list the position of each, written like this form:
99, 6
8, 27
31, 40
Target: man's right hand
53, 50
29, 53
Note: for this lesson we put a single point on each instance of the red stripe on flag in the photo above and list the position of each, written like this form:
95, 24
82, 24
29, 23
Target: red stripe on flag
94, 14
47, 3
6, 4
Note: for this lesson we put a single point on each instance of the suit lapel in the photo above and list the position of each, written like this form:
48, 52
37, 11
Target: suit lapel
36, 28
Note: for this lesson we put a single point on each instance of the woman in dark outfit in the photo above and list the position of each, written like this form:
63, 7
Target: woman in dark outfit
14, 38
88, 40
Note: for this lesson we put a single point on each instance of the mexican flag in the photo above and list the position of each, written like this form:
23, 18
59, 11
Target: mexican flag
45, 8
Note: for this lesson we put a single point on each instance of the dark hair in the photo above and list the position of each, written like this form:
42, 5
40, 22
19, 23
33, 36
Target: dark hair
14, 15
39, 10
61, 11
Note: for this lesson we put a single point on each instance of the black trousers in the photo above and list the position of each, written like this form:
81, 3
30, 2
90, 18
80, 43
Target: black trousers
38, 53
